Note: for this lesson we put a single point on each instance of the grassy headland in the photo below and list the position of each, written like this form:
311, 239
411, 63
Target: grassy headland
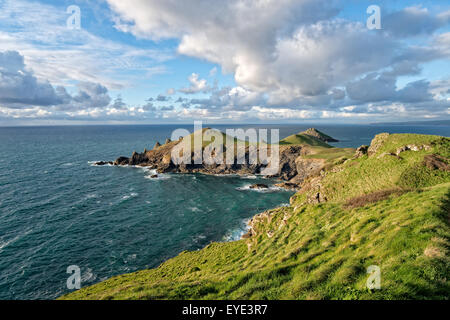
388, 206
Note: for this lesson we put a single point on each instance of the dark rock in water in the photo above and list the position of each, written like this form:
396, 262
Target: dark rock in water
157, 145
121, 161
259, 186
155, 176
103, 163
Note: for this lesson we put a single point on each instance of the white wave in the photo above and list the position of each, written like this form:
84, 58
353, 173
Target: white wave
88, 275
250, 177
131, 195
261, 190
69, 164
4, 244
94, 164
160, 176
236, 234
199, 238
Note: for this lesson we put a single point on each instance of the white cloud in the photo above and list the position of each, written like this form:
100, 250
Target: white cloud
292, 53
196, 85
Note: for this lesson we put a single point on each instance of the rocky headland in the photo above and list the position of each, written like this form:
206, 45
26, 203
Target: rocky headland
296, 161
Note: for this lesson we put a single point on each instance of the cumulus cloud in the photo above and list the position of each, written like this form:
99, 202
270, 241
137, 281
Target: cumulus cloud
291, 53
19, 87
196, 85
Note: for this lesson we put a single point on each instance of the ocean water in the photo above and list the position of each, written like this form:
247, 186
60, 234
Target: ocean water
58, 210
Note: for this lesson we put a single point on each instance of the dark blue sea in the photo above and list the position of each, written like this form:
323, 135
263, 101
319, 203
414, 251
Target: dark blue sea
58, 210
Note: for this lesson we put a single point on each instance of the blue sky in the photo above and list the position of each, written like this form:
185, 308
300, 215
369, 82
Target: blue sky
167, 61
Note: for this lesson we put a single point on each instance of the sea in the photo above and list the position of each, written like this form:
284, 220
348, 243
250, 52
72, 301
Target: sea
57, 209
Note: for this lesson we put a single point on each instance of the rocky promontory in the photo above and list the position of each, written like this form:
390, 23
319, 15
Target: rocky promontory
293, 168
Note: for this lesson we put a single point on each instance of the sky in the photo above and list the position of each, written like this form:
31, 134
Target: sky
237, 61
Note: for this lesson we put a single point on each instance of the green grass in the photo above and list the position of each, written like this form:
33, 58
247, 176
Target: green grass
322, 251
332, 155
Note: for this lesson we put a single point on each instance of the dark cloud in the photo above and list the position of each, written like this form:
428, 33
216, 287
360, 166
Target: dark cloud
19, 88
162, 98
91, 95
149, 107
167, 108
119, 104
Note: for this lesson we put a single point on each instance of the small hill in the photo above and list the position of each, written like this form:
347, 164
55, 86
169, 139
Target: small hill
313, 132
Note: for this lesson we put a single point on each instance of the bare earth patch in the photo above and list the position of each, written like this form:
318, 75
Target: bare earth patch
372, 198
433, 252
436, 162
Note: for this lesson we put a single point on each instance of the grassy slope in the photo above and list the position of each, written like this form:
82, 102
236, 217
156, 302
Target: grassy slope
322, 251
330, 154
370, 174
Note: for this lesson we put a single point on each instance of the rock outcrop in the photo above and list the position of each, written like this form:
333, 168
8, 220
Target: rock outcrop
306, 168
319, 135
361, 151
259, 186
412, 147
377, 143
